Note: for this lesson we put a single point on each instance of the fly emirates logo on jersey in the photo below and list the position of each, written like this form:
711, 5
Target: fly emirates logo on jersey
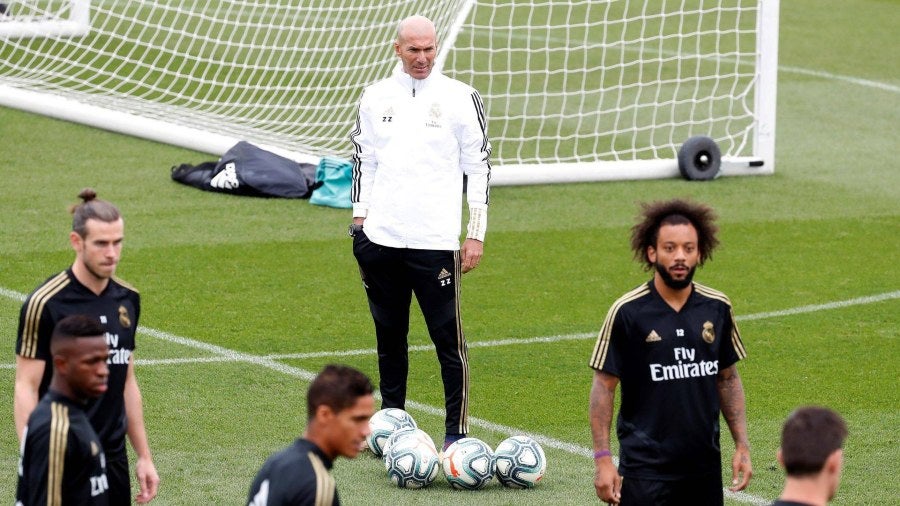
116, 355
684, 367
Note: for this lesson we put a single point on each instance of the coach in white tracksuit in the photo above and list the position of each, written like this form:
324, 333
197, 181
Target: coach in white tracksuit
417, 134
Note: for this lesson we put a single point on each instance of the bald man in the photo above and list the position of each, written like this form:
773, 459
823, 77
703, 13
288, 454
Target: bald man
418, 136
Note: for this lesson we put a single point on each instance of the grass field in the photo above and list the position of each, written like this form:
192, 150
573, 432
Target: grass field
245, 299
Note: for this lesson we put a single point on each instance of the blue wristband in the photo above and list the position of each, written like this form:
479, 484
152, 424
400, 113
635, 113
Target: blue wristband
602, 453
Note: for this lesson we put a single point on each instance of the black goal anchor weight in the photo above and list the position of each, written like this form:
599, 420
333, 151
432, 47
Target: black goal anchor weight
699, 159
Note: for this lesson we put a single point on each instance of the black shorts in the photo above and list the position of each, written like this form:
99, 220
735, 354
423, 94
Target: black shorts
119, 482
705, 490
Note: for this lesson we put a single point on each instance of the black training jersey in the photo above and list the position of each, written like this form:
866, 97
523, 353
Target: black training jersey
118, 308
296, 476
62, 461
667, 362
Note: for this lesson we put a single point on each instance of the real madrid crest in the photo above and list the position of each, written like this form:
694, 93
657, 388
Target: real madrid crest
124, 319
709, 333
434, 116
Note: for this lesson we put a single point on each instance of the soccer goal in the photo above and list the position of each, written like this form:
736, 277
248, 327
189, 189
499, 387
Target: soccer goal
577, 90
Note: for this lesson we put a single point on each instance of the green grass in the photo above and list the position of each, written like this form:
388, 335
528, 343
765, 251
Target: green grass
268, 277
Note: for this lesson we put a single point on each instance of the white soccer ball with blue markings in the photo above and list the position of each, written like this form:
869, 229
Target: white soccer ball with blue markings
382, 424
520, 462
405, 432
411, 459
468, 464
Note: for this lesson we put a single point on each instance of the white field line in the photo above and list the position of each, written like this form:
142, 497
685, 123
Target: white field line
593, 335
837, 77
227, 355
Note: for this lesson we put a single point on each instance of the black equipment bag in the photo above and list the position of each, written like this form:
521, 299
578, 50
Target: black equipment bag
246, 169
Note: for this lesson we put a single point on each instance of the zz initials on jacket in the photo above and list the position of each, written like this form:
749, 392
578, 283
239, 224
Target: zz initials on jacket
386, 119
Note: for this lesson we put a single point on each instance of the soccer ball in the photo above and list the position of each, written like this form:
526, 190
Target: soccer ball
404, 433
397, 434
468, 464
520, 462
411, 460
382, 424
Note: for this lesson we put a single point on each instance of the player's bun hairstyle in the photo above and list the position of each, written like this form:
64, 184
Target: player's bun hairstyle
809, 436
653, 215
338, 387
91, 208
74, 326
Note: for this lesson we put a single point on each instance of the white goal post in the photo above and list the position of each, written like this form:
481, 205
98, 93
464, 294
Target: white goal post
70, 18
576, 90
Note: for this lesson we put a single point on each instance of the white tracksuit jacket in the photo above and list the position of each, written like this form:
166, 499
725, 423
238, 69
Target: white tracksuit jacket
414, 139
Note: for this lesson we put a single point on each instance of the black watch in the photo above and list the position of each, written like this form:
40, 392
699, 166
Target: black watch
354, 229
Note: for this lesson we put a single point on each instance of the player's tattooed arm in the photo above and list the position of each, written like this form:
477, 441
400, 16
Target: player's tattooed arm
731, 398
607, 482
603, 392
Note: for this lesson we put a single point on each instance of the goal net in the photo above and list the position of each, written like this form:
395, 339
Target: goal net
574, 90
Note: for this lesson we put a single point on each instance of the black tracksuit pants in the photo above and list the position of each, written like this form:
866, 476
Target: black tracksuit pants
391, 276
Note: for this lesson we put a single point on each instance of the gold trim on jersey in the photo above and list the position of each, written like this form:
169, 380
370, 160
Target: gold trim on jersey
56, 458
712, 293
736, 341
125, 284
35, 308
324, 481
598, 357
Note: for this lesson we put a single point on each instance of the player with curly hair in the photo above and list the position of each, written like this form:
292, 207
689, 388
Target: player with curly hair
672, 344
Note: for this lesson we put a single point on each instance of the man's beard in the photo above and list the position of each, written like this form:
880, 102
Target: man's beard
92, 268
675, 284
